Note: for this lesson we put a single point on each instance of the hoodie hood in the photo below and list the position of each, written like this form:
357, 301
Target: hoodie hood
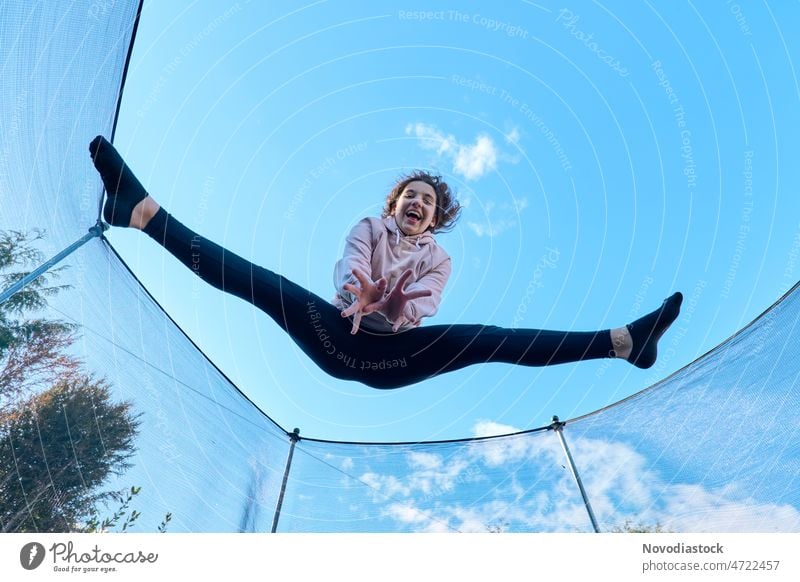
397, 234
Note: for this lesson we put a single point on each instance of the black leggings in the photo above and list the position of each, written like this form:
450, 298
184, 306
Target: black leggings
379, 360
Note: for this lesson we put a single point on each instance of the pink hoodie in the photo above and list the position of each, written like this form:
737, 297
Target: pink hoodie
378, 247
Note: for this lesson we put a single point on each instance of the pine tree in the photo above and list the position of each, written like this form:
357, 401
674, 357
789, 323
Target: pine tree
61, 435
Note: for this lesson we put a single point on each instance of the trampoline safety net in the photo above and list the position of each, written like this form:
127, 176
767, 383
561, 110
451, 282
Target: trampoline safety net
714, 447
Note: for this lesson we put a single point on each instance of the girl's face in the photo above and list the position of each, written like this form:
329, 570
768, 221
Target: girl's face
415, 209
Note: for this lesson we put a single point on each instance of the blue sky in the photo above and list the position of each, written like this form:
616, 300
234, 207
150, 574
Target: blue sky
607, 155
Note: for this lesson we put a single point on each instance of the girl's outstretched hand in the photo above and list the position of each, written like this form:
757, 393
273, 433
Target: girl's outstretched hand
394, 304
370, 298
369, 293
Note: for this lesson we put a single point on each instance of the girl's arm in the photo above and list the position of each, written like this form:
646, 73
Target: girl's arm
425, 293
352, 275
433, 281
357, 255
409, 304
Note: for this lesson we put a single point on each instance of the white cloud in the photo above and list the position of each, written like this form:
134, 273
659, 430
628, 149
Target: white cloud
693, 508
485, 428
406, 513
615, 467
430, 476
522, 483
470, 161
512, 137
425, 460
493, 224
387, 485
474, 161
456, 518
432, 139
498, 452
491, 228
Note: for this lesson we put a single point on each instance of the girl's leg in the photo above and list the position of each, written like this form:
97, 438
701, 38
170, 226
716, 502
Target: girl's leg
425, 352
378, 360
313, 323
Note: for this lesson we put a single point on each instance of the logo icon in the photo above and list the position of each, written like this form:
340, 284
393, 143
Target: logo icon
31, 556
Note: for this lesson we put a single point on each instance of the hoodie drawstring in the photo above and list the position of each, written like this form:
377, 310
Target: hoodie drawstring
397, 238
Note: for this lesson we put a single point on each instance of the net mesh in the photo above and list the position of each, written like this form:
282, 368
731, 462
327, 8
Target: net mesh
711, 448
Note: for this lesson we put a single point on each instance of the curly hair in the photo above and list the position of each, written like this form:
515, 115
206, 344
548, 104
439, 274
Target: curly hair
448, 209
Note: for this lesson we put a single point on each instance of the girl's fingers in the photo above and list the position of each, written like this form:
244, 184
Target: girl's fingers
356, 323
401, 282
350, 310
362, 277
418, 294
352, 288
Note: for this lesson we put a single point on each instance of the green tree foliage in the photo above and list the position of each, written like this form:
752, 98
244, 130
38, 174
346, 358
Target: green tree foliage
32, 350
124, 517
56, 449
61, 435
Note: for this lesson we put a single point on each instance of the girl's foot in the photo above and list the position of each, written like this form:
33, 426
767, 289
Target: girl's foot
637, 342
127, 203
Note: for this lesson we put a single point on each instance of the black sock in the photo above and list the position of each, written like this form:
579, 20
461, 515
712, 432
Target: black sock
646, 331
123, 189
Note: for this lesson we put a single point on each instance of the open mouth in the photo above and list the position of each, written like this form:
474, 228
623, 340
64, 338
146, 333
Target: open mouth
414, 215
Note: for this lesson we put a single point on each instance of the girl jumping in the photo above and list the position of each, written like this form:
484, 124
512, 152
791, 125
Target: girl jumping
391, 276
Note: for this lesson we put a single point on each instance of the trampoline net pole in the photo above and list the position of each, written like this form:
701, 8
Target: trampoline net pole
294, 437
95, 231
558, 427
